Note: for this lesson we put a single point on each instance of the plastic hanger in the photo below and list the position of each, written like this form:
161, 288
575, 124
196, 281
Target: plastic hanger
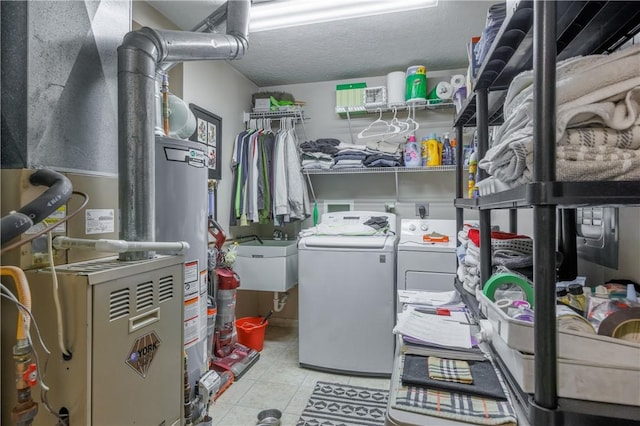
378, 128
402, 125
413, 124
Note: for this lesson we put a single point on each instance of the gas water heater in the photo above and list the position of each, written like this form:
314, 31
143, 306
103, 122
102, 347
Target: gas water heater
181, 215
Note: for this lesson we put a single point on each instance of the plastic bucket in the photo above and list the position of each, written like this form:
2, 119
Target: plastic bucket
251, 332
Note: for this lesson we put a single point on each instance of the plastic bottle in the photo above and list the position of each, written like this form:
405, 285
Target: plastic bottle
433, 151
473, 166
447, 151
424, 150
453, 144
412, 153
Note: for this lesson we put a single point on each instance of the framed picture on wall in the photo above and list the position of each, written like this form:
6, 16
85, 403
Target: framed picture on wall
209, 132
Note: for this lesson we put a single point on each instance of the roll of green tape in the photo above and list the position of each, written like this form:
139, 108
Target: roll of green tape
497, 280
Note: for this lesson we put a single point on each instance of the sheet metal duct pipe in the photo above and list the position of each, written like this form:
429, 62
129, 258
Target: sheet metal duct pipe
139, 56
207, 25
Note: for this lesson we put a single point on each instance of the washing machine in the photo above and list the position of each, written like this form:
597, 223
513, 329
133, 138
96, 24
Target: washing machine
346, 284
426, 265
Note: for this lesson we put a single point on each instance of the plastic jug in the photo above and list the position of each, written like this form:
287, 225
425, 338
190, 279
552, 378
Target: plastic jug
411, 153
433, 151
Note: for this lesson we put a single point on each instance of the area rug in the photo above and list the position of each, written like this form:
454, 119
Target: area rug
335, 404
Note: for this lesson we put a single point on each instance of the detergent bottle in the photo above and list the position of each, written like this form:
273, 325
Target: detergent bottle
412, 153
433, 151
447, 151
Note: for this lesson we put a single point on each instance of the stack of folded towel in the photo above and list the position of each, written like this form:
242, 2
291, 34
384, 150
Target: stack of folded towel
597, 122
318, 154
508, 250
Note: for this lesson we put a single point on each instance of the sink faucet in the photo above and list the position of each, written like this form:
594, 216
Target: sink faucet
277, 234
252, 236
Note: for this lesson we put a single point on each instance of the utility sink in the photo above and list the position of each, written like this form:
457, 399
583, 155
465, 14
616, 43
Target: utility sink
270, 266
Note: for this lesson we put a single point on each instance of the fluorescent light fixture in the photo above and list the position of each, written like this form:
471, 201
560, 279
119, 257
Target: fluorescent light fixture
291, 13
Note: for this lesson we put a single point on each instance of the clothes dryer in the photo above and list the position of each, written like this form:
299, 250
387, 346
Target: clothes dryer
426, 265
346, 278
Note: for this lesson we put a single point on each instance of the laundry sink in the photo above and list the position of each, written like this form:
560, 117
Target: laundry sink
270, 265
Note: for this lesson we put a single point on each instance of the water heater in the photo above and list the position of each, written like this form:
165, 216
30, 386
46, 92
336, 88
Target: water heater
181, 215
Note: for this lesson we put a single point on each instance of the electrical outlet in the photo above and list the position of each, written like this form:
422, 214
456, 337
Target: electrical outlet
420, 207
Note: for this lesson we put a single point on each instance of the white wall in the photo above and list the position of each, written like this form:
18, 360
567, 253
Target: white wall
371, 191
220, 89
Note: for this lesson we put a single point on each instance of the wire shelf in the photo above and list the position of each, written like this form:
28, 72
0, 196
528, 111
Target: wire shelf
369, 170
429, 104
294, 113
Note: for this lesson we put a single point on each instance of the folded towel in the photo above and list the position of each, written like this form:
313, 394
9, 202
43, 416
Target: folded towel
599, 90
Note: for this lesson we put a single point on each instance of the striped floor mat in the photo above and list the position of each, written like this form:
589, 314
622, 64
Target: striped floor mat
334, 404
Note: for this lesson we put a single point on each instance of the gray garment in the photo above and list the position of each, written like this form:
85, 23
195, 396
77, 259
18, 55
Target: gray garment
280, 197
296, 185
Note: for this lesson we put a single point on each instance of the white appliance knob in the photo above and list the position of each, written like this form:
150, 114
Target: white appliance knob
424, 227
412, 227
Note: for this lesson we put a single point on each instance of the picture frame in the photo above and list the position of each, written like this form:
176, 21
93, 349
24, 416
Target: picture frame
209, 132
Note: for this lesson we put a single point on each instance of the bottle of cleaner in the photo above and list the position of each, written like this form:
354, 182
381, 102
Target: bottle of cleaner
473, 166
412, 153
433, 151
447, 154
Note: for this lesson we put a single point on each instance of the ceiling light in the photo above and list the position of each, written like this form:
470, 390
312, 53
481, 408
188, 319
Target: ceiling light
292, 13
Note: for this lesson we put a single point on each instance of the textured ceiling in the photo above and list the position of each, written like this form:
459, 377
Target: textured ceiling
353, 48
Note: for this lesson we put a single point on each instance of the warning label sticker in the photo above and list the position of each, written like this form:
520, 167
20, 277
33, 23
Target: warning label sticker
191, 279
191, 322
99, 221
142, 353
52, 219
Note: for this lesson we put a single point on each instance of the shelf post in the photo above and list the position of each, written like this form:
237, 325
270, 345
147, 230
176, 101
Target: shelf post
544, 407
482, 114
459, 178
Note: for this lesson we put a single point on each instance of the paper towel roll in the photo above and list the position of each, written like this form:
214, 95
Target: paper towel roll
395, 87
457, 81
442, 90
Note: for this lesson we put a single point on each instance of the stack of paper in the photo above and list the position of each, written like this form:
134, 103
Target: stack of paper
440, 330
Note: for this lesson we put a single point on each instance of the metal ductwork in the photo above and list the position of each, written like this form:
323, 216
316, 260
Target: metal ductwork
139, 57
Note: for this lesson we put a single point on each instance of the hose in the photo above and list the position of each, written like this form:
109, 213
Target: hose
17, 222
24, 297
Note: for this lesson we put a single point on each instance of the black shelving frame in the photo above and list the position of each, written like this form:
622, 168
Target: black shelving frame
535, 35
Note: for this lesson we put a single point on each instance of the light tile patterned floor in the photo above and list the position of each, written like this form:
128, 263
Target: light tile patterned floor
276, 381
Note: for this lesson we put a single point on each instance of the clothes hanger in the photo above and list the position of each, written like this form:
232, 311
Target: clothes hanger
378, 128
413, 124
403, 125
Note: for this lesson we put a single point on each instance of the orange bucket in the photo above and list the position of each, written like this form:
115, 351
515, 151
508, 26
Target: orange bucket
251, 332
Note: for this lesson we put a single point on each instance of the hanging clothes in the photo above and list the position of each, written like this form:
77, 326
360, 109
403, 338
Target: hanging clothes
268, 185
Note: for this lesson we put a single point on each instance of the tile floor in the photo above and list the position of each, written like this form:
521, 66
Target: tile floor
276, 381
